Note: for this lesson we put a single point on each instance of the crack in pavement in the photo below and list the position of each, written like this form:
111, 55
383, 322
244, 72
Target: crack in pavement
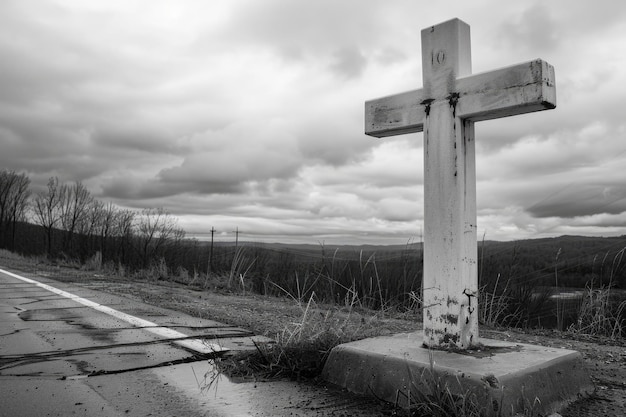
13, 332
196, 357
189, 359
12, 361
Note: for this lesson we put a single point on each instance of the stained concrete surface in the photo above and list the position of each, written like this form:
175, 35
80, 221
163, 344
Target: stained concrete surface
503, 376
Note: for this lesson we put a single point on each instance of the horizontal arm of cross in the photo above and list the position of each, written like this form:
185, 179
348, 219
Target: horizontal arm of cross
518, 89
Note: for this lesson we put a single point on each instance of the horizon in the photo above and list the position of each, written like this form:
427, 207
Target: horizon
406, 243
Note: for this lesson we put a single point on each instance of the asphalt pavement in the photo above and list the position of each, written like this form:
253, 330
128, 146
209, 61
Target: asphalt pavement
67, 349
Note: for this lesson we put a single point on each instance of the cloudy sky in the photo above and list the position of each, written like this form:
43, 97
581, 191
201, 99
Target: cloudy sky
248, 114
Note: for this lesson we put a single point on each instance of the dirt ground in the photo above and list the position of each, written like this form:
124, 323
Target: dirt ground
605, 358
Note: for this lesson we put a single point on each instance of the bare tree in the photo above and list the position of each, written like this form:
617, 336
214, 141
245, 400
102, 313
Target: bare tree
75, 203
14, 195
123, 231
47, 210
155, 228
105, 226
88, 228
111, 223
91, 223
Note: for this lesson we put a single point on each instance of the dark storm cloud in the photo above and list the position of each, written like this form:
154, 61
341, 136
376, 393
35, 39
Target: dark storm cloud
582, 200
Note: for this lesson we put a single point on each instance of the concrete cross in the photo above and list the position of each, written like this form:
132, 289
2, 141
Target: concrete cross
445, 109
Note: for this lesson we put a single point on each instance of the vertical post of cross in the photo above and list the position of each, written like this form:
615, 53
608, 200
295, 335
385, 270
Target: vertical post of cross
450, 269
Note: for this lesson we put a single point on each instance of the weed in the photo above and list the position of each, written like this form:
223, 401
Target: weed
194, 278
559, 307
157, 270
600, 311
303, 288
210, 377
94, 263
443, 395
598, 314
239, 268
511, 304
8, 255
301, 349
494, 305
121, 270
432, 395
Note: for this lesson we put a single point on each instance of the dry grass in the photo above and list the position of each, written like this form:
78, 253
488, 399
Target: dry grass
432, 395
304, 329
600, 311
493, 309
441, 395
301, 347
599, 314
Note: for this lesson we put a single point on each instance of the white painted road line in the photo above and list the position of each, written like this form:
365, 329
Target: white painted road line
196, 345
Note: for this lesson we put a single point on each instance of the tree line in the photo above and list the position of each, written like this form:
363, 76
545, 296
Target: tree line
73, 224
66, 221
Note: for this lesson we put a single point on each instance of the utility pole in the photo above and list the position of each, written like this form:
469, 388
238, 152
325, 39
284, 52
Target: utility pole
210, 267
236, 238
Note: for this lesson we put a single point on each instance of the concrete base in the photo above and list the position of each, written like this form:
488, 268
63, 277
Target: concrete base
502, 378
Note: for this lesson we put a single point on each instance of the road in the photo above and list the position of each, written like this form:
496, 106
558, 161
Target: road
68, 349
79, 351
